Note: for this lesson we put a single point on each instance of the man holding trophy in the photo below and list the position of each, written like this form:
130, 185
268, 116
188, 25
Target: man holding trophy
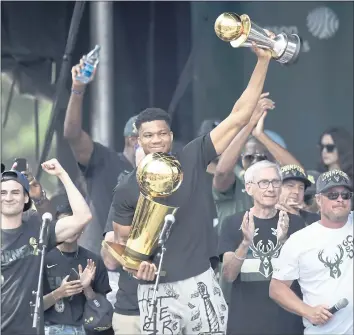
157, 208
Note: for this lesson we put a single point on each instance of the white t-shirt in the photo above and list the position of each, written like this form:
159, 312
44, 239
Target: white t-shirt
321, 259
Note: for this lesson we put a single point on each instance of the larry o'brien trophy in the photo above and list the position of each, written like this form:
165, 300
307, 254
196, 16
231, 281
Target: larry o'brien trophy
240, 31
158, 176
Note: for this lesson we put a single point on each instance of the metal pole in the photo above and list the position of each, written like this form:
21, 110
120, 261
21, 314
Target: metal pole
63, 76
102, 87
151, 55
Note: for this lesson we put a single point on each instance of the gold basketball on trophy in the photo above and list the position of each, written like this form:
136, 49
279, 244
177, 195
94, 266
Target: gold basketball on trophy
158, 175
229, 26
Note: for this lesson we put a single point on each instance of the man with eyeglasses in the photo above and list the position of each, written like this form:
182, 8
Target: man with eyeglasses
253, 144
320, 258
249, 244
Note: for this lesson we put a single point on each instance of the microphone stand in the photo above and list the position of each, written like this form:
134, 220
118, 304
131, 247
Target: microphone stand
165, 233
37, 314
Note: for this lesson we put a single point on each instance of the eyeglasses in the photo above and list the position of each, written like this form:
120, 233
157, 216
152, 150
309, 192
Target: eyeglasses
264, 184
335, 195
250, 158
329, 147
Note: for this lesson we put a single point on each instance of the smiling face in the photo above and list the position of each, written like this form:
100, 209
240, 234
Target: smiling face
292, 192
155, 136
265, 188
13, 198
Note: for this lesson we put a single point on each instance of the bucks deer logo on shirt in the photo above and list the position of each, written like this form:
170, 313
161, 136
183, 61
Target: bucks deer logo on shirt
333, 262
265, 253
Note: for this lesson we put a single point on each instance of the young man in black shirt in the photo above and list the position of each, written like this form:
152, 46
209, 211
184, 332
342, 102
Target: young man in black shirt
249, 245
20, 258
190, 299
64, 299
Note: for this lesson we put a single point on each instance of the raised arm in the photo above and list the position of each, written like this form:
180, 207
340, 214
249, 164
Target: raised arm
224, 175
281, 155
241, 113
80, 142
69, 225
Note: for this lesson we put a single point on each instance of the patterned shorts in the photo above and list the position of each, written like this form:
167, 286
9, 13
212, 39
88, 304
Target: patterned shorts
192, 306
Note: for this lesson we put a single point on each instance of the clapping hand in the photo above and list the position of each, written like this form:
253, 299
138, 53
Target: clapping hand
69, 288
283, 226
247, 227
88, 275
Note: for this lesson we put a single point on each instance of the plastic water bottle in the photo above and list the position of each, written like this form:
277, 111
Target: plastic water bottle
90, 62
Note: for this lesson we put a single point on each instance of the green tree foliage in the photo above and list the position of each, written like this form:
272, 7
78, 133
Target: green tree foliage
18, 138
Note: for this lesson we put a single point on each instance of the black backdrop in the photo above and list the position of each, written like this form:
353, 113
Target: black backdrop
310, 96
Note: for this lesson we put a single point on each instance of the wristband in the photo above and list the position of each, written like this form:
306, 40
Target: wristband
239, 258
38, 202
54, 296
76, 92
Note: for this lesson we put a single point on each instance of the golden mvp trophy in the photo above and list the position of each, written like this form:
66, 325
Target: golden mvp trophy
240, 31
158, 176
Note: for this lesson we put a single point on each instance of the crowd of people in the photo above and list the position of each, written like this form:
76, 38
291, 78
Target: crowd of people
259, 244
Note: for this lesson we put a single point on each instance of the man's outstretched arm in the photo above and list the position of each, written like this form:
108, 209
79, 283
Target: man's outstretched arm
241, 113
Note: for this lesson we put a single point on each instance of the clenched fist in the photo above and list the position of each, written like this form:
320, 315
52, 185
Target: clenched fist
53, 167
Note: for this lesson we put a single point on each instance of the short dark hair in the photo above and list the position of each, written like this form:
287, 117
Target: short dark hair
152, 114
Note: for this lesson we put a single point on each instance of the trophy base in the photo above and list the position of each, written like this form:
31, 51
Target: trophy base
292, 51
117, 251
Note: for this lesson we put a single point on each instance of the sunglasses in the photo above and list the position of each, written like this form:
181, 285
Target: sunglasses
254, 157
329, 147
346, 195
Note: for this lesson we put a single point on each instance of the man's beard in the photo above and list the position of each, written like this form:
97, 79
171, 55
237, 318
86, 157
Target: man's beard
336, 218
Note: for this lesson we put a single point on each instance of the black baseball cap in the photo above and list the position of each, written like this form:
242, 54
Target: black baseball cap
130, 129
21, 179
98, 314
295, 172
333, 178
